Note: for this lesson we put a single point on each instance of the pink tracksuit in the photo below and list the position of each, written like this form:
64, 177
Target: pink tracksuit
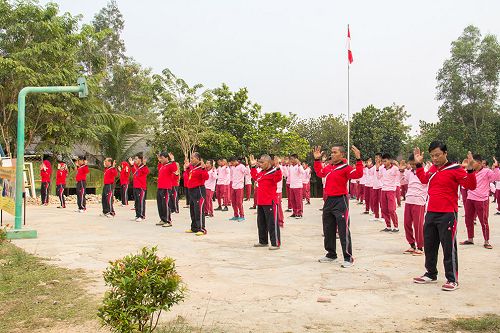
416, 197
210, 188
477, 203
389, 179
238, 174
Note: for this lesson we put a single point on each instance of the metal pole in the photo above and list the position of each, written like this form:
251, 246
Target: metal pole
348, 118
21, 106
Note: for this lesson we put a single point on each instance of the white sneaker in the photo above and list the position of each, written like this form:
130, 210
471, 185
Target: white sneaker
81, 210
139, 219
373, 219
347, 264
109, 216
381, 220
327, 260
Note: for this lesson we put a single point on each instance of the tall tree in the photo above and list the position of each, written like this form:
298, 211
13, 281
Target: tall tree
467, 87
376, 130
325, 131
183, 111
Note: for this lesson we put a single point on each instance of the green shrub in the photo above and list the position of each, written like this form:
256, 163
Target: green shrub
3, 234
142, 286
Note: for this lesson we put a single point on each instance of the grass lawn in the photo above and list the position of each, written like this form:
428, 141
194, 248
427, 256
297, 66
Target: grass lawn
36, 295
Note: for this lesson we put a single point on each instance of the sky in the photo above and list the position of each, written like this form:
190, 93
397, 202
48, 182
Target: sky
291, 55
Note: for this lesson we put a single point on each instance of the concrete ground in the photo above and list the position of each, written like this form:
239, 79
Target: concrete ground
238, 288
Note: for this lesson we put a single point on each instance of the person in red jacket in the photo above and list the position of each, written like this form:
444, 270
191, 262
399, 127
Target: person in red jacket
45, 173
267, 201
107, 199
174, 194
440, 227
166, 170
336, 206
124, 181
82, 170
140, 184
195, 182
61, 175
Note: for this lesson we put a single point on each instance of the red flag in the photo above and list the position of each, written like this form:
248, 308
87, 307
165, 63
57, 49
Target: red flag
349, 52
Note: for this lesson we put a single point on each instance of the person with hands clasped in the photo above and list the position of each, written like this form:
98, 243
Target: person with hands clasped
195, 182
267, 210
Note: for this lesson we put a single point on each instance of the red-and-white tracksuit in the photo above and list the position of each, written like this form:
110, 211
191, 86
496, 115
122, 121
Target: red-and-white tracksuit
440, 226
107, 198
45, 174
163, 195
61, 176
336, 206
140, 174
81, 186
124, 182
267, 212
195, 182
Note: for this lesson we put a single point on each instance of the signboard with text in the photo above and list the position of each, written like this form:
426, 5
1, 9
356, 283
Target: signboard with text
7, 189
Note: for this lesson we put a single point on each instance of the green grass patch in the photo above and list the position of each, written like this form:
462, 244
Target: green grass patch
180, 325
487, 324
35, 295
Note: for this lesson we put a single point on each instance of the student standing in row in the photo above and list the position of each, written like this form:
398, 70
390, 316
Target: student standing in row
166, 170
107, 197
45, 174
140, 173
440, 226
306, 183
82, 170
238, 173
61, 175
477, 203
124, 181
210, 188
196, 177
416, 197
267, 213
336, 208
295, 176
248, 184
388, 175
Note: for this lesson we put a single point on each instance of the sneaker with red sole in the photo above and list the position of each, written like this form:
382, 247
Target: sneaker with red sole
409, 251
424, 279
418, 252
450, 286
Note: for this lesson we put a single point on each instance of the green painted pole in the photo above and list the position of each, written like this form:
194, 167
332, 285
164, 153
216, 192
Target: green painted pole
21, 114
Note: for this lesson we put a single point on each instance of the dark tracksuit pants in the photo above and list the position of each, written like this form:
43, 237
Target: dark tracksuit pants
174, 200
44, 192
107, 199
336, 216
197, 197
441, 228
140, 202
267, 224
81, 187
124, 193
60, 193
163, 198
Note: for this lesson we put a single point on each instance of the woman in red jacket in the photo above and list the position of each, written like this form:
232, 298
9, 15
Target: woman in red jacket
140, 183
195, 182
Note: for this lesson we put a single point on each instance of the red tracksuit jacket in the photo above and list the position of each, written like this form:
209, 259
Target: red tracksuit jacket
196, 176
125, 174
45, 174
61, 177
110, 175
165, 175
443, 183
337, 176
82, 172
267, 181
140, 176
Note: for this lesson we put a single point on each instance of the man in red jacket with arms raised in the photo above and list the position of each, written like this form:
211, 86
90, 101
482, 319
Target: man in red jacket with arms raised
336, 207
440, 227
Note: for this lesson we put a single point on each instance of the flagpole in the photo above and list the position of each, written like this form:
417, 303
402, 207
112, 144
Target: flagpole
348, 113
